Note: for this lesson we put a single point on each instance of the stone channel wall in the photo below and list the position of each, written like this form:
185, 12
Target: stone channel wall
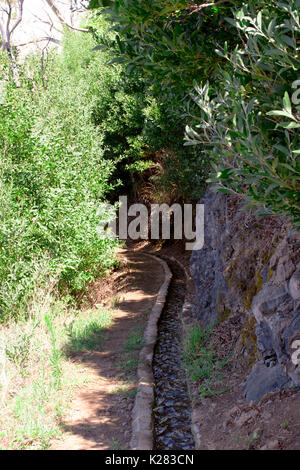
250, 268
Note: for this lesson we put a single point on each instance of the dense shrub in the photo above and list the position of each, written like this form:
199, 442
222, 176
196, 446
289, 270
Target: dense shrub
249, 125
163, 93
53, 176
83, 132
170, 41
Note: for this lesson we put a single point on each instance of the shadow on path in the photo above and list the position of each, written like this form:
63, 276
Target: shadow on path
99, 417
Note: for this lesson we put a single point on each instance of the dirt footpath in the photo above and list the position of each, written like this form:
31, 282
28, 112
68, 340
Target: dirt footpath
100, 416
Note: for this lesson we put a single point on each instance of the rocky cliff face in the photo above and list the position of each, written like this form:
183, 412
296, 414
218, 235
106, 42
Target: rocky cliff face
250, 268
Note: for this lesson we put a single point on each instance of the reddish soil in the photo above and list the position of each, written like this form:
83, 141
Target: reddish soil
99, 416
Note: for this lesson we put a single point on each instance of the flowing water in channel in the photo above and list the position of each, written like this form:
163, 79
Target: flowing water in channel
172, 409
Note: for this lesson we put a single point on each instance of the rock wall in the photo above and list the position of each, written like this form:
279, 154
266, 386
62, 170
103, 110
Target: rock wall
249, 268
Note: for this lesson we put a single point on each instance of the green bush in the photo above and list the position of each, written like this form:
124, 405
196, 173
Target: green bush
249, 125
53, 176
242, 61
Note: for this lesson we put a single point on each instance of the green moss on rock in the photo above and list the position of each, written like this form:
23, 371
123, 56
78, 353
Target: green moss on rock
254, 287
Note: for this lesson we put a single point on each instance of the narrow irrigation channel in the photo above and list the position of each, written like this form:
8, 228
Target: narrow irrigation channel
172, 409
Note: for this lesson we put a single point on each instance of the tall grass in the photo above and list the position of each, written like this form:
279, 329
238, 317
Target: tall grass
37, 378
